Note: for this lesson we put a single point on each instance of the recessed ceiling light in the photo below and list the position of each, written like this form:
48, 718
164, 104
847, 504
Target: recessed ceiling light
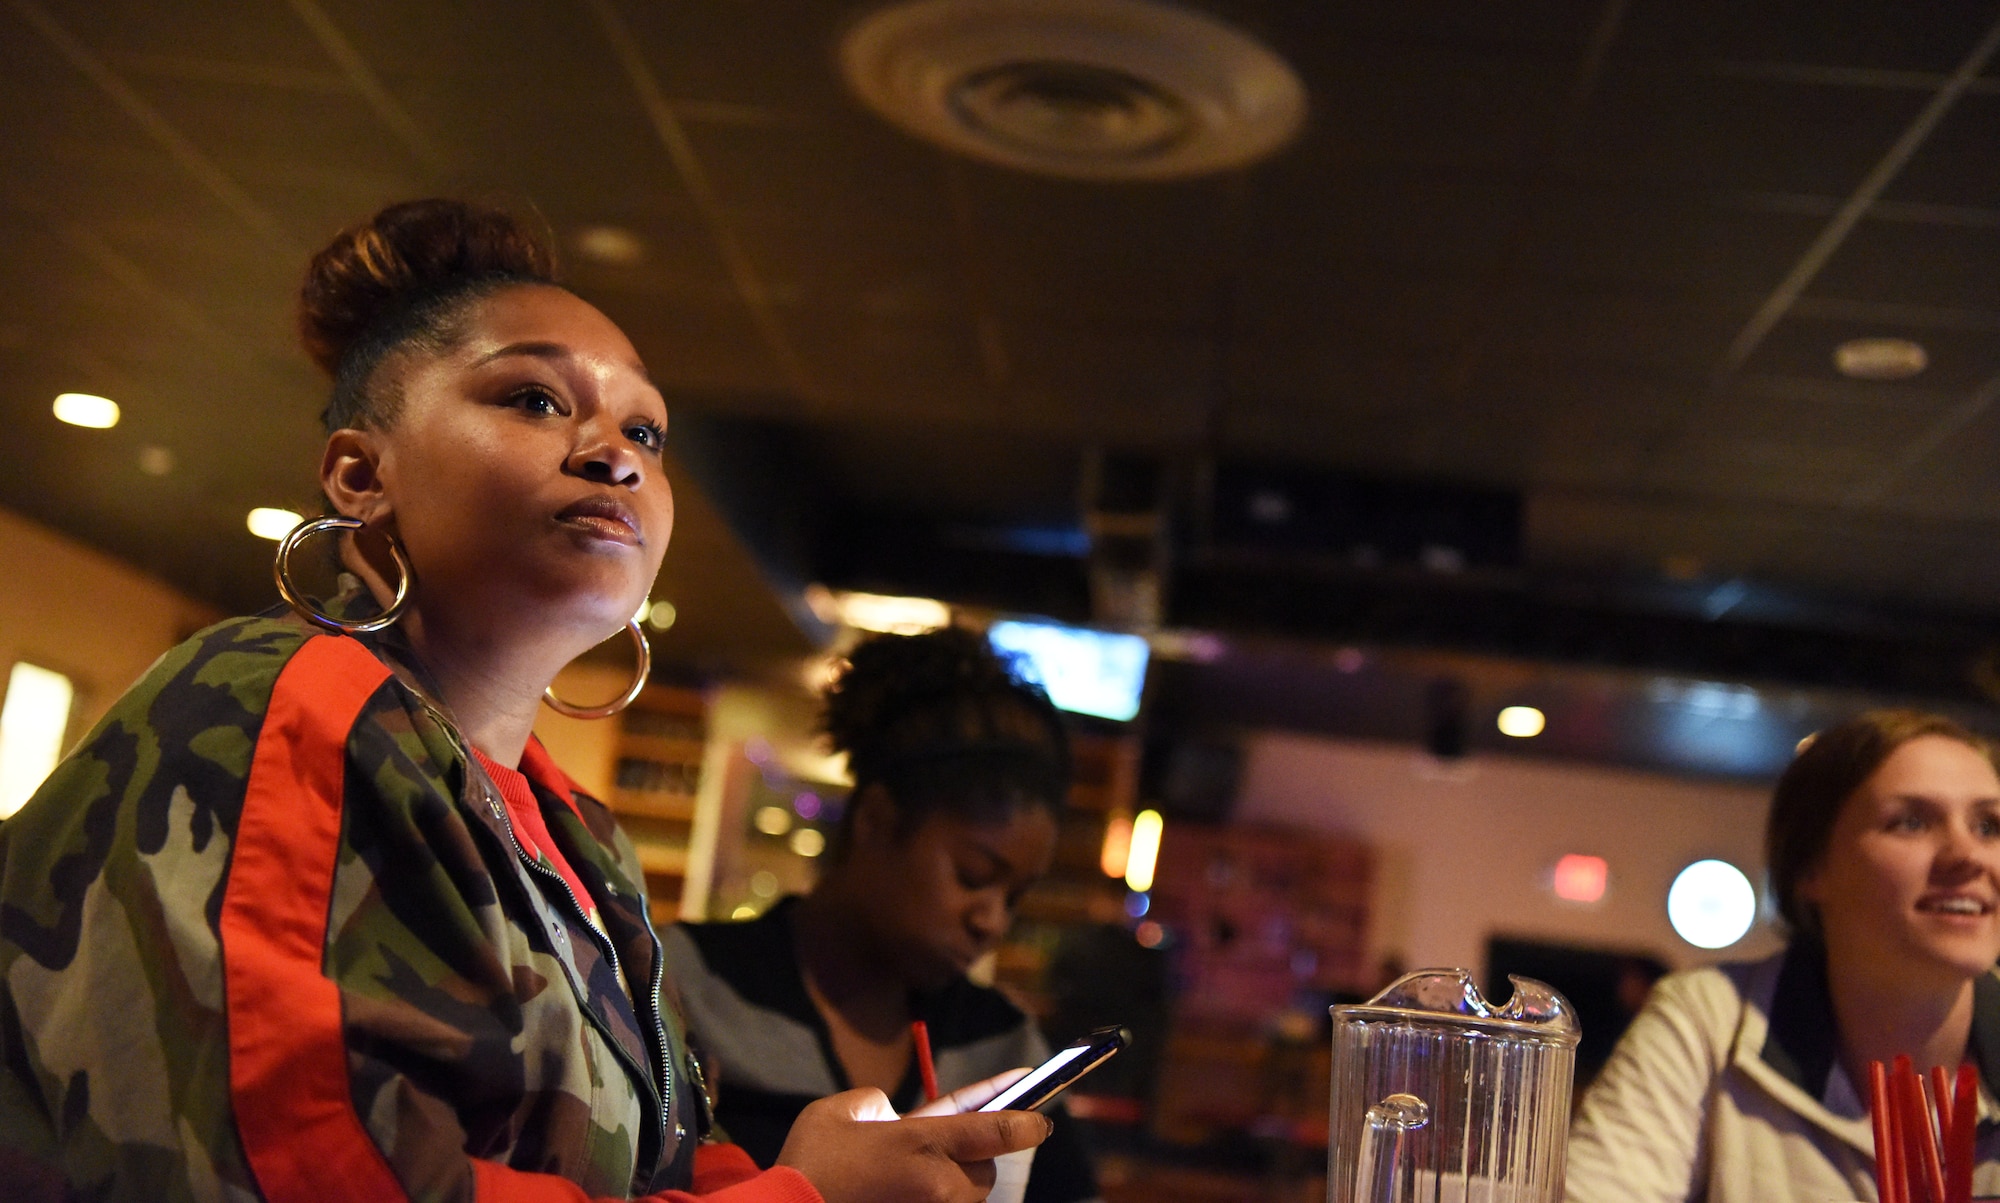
85, 409
1521, 722
273, 524
1880, 358
1090, 89
614, 246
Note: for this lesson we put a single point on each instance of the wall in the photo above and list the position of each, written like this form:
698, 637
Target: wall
1466, 848
85, 614
587, 749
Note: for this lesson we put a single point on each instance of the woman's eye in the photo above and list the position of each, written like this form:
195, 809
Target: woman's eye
537, 401
646, 435
1907, 823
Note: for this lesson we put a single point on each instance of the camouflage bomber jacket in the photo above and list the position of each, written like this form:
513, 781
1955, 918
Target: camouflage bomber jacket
268, 934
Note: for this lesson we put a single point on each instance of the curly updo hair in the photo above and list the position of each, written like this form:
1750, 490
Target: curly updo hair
947, 727
404, 279
1815, 787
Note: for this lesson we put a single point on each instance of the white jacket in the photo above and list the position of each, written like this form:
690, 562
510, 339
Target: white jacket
1728, 1088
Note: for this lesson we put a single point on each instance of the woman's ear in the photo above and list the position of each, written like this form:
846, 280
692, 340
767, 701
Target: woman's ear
1808, 889
873, 825
350, 474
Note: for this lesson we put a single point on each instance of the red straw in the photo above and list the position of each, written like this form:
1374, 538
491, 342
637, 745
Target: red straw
1888, 1174
1941, 1108
1920, 1155
920, 1035
1964, 1123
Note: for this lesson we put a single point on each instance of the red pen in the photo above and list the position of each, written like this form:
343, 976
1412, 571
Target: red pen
920, 1035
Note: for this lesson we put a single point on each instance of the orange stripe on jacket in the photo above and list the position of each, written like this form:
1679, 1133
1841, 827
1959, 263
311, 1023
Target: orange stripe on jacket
288, 1080
722, 1174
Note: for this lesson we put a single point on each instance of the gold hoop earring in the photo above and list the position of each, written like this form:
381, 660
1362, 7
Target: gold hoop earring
302, 605
612, 707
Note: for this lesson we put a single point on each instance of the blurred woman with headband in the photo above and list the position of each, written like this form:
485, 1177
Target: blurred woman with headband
310, 915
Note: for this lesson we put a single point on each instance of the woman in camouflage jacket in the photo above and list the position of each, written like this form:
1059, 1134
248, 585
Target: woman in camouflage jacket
309, 915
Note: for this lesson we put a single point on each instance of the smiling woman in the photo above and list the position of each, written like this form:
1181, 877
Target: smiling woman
1743, 1082
310, 914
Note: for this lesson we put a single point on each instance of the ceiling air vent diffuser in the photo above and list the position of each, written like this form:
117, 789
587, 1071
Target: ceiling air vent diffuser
1091, 89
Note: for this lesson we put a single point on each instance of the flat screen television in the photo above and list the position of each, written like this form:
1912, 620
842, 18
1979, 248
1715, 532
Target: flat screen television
1087, 672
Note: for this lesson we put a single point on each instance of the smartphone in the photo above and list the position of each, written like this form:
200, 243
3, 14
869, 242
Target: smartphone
1060, 1072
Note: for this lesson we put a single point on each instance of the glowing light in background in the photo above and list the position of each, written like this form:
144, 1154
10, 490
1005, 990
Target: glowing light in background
1145, 851
1090, 672
1880, 358
1580, 878
660, 614
772, 820
1136, 905
878, 612
84, 409
807, 842
1117, 846
1711, 904
1522, 722
273, 524
32, 722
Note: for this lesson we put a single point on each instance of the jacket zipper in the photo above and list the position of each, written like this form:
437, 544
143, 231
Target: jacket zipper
664, 1065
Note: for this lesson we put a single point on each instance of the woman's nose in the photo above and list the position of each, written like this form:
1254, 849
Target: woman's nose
1962, 849
607, 458
990, 918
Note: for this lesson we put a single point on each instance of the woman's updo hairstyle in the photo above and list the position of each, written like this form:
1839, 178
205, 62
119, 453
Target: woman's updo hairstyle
1815, 787
946, 726
404, 279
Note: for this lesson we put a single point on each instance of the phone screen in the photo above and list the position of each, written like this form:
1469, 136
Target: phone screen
1056, 1074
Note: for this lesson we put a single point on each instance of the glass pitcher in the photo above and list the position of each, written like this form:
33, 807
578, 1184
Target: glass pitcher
1439, 1097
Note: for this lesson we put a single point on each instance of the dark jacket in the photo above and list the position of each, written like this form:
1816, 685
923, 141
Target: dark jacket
746, 1003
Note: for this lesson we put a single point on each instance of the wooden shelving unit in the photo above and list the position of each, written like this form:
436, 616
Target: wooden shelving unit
662, 739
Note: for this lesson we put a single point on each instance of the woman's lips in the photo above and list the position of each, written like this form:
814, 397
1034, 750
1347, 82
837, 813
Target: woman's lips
1964, 906
605, 518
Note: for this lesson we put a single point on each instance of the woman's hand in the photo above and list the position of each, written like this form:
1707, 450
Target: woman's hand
854, 1149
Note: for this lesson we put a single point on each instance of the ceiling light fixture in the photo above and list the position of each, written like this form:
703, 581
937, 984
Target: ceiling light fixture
1880, 358
86, 409
1522, 722
273, 524
613, 246
1089, 89
878, 612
